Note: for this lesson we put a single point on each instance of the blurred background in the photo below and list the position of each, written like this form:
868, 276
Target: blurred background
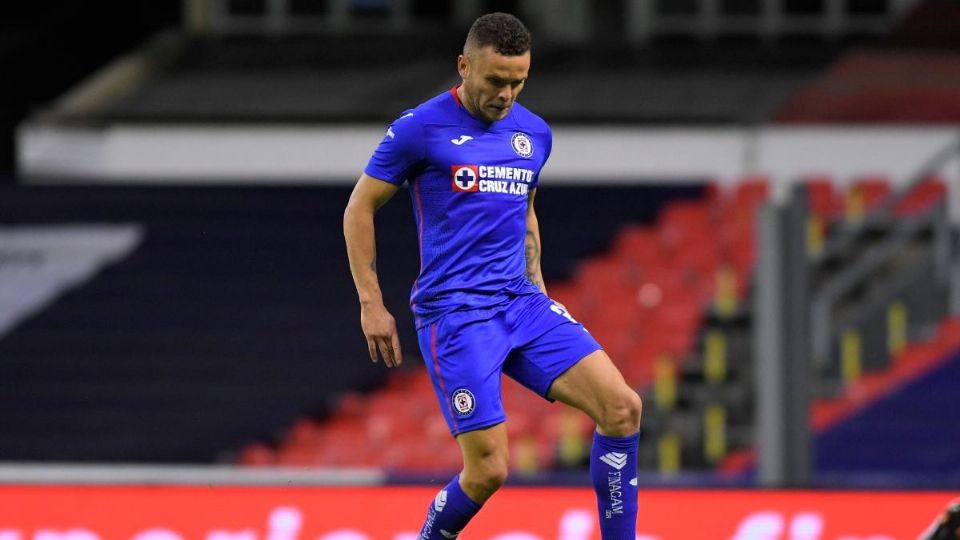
752, 205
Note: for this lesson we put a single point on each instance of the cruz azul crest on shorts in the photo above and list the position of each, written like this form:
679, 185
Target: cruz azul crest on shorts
522, 144
463, 402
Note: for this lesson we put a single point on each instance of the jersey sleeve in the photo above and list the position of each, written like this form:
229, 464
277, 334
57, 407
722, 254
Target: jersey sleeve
400, 152
548, 147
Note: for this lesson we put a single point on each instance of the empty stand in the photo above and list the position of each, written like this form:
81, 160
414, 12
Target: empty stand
236, 315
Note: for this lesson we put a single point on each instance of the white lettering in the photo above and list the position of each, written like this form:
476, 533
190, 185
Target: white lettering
284, 523
505, 173
760, 526
72, 534
806, 526
157, 534
344, 534
518, 189
10, 535
576, 525
614, 484
229, 535
516, 535
494, 186
428, 524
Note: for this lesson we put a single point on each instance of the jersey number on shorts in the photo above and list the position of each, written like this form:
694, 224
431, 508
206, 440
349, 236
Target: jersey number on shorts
562, 311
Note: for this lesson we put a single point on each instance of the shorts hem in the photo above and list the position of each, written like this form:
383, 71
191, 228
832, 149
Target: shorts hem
546, 392
478, 427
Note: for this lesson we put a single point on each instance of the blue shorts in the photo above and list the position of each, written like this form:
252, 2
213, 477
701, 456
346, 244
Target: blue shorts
532, 339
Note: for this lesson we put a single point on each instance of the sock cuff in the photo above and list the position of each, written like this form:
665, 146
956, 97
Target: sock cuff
461, 495
629, 442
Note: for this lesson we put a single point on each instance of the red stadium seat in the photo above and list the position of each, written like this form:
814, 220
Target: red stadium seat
922, 197
873, 189
823, 200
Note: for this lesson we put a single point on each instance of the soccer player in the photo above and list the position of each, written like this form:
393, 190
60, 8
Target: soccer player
472, 157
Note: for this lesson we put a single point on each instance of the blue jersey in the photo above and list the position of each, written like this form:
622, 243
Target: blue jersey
469, 181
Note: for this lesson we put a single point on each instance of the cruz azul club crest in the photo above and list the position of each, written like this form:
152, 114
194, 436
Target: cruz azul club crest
463, 402
522, 144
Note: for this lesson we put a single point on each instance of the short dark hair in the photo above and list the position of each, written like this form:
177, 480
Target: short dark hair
503, 31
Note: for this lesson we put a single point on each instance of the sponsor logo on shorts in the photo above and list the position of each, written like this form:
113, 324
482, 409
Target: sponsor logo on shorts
521, 144
464, 403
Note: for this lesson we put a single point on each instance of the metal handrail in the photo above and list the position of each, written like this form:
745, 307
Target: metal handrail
880, 213
846, 280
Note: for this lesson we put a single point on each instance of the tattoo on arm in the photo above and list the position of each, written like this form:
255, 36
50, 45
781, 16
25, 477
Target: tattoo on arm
531, 252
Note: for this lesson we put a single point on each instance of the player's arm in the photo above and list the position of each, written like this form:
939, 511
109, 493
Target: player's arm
531, 246
379, 326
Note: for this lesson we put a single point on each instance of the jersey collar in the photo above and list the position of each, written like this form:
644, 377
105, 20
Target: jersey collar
468, 114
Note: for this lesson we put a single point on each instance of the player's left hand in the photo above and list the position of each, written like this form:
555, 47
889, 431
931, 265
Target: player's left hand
380, 330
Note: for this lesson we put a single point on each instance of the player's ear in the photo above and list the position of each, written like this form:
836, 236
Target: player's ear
463, 65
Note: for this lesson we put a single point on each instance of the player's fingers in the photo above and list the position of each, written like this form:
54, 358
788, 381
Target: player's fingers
372, 349
386, 351
395, 345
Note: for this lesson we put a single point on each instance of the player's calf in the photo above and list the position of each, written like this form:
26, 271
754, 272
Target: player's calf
613, 464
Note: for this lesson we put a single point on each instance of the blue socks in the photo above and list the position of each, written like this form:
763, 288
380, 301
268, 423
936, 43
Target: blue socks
613, 470
450, 511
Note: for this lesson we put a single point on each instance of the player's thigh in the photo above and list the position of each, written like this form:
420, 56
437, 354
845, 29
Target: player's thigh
593, 385
464, 359
549, 352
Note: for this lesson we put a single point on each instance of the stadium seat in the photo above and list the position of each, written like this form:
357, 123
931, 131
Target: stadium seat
866, 193
921, 197
823, 199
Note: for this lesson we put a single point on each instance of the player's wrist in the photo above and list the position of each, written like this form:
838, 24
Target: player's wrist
371, 301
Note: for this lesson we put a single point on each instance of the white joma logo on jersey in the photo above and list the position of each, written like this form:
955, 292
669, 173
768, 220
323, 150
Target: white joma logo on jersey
614, 459
461, 140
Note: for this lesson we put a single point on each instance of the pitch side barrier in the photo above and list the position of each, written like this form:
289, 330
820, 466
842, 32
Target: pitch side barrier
220, 512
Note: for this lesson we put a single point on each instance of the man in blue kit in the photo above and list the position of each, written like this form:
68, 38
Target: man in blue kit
472, 157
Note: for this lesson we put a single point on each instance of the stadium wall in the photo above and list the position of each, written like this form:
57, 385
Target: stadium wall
336, 153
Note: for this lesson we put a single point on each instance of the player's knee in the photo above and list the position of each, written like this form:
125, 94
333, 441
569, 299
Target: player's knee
494, 472
621, 414
486, 475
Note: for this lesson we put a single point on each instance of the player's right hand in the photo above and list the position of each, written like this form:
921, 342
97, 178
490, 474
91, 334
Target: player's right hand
380, 329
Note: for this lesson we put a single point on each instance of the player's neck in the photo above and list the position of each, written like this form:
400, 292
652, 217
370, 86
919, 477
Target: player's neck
465, 102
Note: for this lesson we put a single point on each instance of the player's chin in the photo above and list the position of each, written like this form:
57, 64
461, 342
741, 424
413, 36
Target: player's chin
498, 113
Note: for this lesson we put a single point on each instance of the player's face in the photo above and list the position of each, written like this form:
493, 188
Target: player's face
492, 81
